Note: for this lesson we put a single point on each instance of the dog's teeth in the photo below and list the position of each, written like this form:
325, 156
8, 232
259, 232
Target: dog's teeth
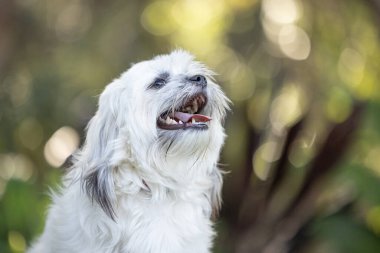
193, 121
180, 122
195, 105
170, 121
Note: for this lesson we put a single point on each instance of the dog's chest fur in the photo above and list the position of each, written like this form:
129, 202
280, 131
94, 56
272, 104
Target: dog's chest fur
171, 225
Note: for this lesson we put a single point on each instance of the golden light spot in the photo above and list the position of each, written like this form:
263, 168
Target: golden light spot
260, 167
282, 11
372, 160
294, 42
373, 219
16, 241
266, 154
195, 14
157, 19
15, 166
288, 107
201, 24
61, 145
257, 109
339, 105
351, 66
271, 30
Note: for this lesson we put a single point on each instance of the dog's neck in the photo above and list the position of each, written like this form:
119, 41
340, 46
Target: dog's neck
179, 175
174, 164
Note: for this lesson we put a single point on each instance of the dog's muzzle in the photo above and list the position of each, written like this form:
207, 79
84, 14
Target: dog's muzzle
186, 116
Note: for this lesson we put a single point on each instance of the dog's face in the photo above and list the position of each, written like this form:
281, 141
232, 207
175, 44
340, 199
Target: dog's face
179, 91
170, 100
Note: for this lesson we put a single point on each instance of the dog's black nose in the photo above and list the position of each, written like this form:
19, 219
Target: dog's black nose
199, 80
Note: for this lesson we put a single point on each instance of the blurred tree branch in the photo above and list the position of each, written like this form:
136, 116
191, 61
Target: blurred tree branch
273, 234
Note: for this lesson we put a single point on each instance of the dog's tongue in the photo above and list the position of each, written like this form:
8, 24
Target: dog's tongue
186, 117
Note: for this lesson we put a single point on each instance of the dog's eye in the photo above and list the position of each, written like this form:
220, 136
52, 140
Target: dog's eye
158, 83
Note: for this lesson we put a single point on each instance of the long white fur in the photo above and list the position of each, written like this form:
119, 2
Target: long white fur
135, 188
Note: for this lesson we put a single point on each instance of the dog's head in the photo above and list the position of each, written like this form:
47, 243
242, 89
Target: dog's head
161, 113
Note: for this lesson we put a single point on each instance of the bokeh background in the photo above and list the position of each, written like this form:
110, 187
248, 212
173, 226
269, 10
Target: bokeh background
304, 135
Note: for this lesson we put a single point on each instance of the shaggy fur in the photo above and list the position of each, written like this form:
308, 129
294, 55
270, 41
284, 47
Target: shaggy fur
133, 187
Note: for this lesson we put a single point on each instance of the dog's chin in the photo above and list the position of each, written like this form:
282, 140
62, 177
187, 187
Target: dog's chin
188, 116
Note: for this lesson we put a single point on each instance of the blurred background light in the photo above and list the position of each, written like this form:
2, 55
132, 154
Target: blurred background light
281, 11
15, 166
266, 154
373, 219
257, 109
339, 105
193, 15
16, 241
73, 21
288, 107
351, 67
61, 145
294, 42
372, 160
156, 18
201, 24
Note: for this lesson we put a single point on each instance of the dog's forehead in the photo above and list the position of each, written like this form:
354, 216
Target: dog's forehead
177, 62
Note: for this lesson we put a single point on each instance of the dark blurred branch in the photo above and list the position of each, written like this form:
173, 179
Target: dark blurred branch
273, 234
375, 4
282, 166
335, 146
303, 206
375, 8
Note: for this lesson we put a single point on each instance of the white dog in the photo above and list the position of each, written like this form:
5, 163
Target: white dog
146, 179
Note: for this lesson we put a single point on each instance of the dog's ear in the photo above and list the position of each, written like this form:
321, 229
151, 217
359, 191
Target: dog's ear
98, 152
215, 192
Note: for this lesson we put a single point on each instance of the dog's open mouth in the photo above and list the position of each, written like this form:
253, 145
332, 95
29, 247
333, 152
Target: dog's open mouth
186, 116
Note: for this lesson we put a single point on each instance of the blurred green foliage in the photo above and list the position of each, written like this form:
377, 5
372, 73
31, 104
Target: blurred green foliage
282, 62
